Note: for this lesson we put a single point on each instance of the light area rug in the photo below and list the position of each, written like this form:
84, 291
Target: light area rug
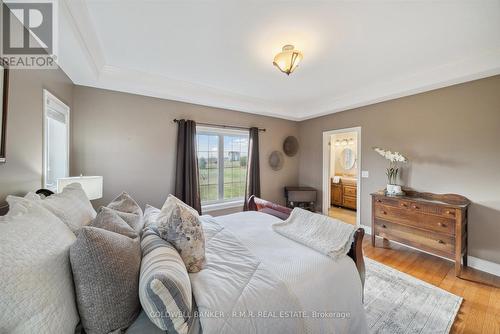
399, 303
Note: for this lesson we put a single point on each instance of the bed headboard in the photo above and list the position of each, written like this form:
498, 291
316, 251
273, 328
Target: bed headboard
261, 205
4, 208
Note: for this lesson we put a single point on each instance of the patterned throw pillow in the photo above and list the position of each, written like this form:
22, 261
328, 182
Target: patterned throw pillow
128, 209
180, 225
164, 285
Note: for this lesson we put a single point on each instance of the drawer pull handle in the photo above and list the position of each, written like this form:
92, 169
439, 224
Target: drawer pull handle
379, 201
383, 226
449, 212
384, 212
441, 241
404, 205
414, 206
441, 224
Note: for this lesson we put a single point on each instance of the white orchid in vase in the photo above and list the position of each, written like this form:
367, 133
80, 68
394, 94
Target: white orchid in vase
395, 161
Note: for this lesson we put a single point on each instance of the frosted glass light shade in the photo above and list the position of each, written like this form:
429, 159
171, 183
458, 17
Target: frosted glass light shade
288, 59
92, 185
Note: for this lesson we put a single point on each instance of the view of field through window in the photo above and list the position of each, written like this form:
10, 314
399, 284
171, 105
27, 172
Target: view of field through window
222, 163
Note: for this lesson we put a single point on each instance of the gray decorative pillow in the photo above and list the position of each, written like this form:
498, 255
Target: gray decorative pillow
164, 287
128, 210
109, 219
180, 225
106, 269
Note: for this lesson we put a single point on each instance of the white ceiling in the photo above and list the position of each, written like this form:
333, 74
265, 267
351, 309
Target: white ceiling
219, 53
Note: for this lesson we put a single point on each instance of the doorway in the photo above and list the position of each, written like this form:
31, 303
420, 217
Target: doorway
342, 174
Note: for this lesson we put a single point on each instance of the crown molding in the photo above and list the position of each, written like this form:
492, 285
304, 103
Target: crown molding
107, 76
77, 15
483, 65
154, 85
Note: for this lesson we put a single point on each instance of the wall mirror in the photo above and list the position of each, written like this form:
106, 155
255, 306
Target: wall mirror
347, 158
4, 89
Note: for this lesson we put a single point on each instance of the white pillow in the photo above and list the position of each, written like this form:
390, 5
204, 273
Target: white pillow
37, 294
150, 215
14, 200
71, 206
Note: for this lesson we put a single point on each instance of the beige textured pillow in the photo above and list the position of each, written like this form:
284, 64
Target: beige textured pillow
106, 268
180, 225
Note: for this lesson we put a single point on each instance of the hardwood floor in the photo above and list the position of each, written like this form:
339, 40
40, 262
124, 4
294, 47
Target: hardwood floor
346, 215
480, 309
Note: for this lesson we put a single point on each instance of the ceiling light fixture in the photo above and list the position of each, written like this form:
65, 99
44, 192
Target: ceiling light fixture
288, 59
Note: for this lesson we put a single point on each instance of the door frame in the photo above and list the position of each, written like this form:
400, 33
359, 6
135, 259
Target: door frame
326, 169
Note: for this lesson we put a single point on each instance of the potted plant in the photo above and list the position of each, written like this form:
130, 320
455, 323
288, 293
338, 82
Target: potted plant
395, 161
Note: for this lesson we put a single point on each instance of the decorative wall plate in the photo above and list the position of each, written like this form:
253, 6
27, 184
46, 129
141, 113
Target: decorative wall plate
276, 160
291, 146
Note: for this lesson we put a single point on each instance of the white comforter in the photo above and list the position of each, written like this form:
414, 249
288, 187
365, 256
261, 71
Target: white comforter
251, 269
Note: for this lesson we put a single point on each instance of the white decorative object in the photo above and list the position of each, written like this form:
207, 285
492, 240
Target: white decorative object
395, 159
92, 185
393, 189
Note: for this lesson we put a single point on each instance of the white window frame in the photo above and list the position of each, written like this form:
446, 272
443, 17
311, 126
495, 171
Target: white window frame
51, 101
221, 204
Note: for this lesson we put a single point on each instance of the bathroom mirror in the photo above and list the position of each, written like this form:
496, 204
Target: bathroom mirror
347, 158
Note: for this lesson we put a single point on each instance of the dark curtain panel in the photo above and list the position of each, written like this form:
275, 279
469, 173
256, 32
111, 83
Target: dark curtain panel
253, 168
187, 185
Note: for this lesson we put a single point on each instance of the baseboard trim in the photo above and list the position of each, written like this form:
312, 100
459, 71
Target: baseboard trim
484, 265
473, 262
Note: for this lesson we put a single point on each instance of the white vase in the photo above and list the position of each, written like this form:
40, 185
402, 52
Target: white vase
393, 189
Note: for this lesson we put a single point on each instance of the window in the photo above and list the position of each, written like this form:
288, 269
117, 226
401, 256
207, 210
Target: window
55, 140
222, 163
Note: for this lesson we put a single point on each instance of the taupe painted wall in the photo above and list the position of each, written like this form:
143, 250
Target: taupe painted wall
23, 170
452, 138
131, 141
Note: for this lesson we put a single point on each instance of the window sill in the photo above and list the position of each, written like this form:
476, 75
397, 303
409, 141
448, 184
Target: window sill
221, 206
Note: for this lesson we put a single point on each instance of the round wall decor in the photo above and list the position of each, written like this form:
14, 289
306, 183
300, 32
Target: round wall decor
276, 160
291, 146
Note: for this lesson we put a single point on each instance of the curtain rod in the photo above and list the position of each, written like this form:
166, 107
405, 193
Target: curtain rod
223, 126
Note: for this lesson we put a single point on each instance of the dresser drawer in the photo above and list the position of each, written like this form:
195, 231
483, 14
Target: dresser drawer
415, 219
428, 241
432, 209
395, 202
350, 191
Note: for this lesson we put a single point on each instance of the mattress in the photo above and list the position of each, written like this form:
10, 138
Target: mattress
327, 292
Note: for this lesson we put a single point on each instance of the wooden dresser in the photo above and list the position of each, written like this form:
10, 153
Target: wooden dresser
433, 223
344, 194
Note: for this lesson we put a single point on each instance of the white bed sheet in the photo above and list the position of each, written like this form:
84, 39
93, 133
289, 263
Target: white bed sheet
331, 288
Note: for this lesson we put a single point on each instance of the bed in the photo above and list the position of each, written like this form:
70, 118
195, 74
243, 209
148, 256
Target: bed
257, 281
